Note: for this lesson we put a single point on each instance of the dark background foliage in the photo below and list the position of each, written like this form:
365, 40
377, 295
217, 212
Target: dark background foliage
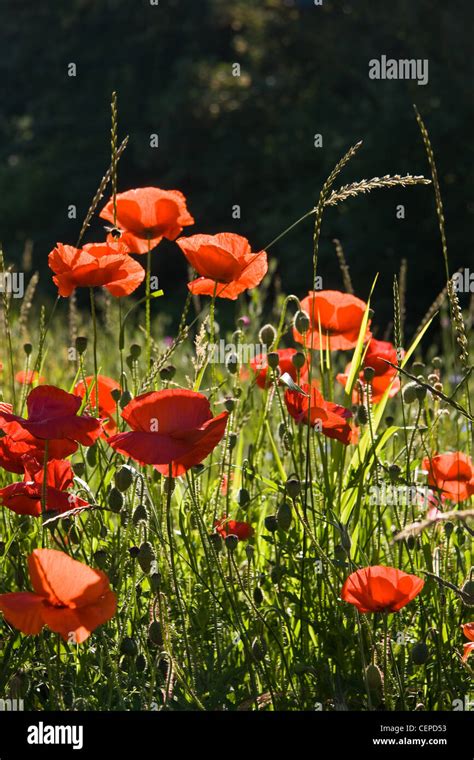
245, 140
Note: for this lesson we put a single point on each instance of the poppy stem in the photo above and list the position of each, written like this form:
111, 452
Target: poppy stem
45, 478
94, 328
148, 307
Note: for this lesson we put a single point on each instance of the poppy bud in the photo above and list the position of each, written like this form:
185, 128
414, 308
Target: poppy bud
116, 393
420, 392
232, 364
468, 590
91, 455
229, 404
301, 322
116, 500
277, 573
134, 551
417, 366
19, 685
232, 440
389, 420
394, 472
411, 542
2, 548
135, 351
271, 523
293, 487
155, 633
374, 678
257, 595
345, 539
369, 374
100, 558
125, 399
216, 541
409, 393
231, 542
362, 415
81, 344
155, 581
448, 528
438, 387
259, 649
140, 663
146, 556
298, 359
129, 647
284, 516
273, 359
249, 551
140, 514
78, 469
28, 348
437, 362
419, 653
243, 497
123, 478
267, 335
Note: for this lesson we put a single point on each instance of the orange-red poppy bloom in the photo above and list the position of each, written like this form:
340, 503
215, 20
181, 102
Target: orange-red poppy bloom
226, 527
95, 265
52, 415
225, 262
12, 452
313, 408
69, 597
107, 405
468, 631
25, 498
385, 376
147, 215
380, 589
170, 429
335, 320
28, 377
452, 474
259, 366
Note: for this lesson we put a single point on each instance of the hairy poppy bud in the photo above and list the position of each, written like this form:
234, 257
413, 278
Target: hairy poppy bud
155, 581
293, 487
437, 362
394, 472
301, 322
231, 542
259, 649
249, 551
345, 539
125, 399
216, 540
28, 348
146, 556
91, 455
273, 359
134, 551
284, 516
374, 678
116, 500
232, 364
78, 469
420, 392
155, 633
243, 497
229, 404
271, 523
135, 351
123, 478
369, 374
232, 440
419, 653
417, 366
116, 394
140, 514
257, 595
409, 393
448, 528
267, 335
100, 558
298, 359
468, 590
362, 415
81, 344
129, 647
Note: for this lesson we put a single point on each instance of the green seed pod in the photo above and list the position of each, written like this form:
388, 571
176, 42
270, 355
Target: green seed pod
78, 469
100, 558
374, 678
129, 647
135, 351
81, 344
301, 322
273, 359
259, 649
116, 500
229, 404
140, 663
146, 556
419, 653
267, 335
232, 364
284, 516
125, 399
409, 392
91, 456
271, 523
123, 478
140, 514
298, 359
243, 497
369, 374
231, 542
155, 633
293, 487
257, 596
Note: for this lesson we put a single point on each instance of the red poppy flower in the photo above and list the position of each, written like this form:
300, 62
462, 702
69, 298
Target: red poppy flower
225, 262
226, 527
52, 415
380, 589
105, 265
12, 452
468, 630
452, 474
28, 377
69, 597
147, 215
259, 366
107, 405
335, 319
315, 409
25, 498
385, 375
170, 428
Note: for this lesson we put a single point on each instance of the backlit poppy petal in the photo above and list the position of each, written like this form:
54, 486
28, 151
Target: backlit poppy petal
23, 610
